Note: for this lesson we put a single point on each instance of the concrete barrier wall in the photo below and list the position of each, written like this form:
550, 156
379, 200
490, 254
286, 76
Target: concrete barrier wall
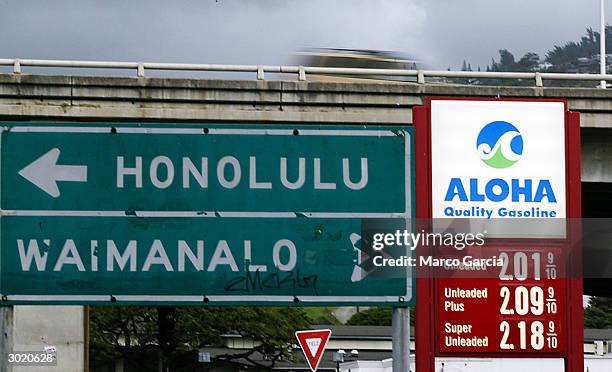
29, 97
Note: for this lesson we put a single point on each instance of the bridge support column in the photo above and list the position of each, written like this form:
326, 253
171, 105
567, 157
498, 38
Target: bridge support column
31, 328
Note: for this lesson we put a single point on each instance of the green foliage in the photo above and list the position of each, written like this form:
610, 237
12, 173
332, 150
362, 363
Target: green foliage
599, 313
506, 60
376, 316
321, 315
575, 57
115, 331
565, 57
528, 62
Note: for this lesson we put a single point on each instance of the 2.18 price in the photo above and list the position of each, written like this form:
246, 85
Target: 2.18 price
532, 333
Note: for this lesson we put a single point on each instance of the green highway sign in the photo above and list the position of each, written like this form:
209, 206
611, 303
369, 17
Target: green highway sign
220, 260
185, 169
211, 214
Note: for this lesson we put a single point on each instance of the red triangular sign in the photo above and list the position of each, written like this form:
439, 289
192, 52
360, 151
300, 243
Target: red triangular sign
313, 344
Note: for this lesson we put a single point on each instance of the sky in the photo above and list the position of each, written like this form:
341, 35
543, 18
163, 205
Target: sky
441, 33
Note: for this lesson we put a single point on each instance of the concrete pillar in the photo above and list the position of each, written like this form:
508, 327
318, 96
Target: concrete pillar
6, 336
34, 327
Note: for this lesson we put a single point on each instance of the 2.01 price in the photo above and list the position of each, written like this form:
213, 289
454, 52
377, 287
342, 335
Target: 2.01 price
531, 334
521, 262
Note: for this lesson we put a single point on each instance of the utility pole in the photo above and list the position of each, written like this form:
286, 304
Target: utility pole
602, 45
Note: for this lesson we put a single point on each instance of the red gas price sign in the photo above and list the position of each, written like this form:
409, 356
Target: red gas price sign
517, 306
508, 168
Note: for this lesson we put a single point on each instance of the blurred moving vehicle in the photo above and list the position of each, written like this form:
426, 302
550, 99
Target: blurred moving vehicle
356, 58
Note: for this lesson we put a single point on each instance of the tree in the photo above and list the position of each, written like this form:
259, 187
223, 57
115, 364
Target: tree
599, 313
529, 61
581, 56
375, 316
506, 60
569, 53
170, 332
114, 329
575, 56
494, 66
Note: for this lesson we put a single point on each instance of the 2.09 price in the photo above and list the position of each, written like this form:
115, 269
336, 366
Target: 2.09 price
527, 301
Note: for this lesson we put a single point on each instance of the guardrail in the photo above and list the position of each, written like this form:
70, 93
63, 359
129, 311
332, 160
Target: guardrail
300, 71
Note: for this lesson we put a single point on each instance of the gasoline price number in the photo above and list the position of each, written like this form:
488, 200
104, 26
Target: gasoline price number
528, 301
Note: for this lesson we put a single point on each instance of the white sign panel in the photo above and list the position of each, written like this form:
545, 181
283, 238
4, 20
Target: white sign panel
498, 159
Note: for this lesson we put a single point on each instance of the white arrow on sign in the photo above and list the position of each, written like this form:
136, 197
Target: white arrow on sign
44, 172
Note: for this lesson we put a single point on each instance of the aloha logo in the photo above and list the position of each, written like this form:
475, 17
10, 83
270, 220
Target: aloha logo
499, 144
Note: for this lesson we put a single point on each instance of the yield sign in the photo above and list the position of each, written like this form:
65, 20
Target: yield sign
313, 344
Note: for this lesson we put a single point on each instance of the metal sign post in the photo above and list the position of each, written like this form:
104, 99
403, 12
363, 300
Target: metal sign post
401, 339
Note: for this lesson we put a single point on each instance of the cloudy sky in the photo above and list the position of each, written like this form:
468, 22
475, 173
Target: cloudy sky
440, 32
